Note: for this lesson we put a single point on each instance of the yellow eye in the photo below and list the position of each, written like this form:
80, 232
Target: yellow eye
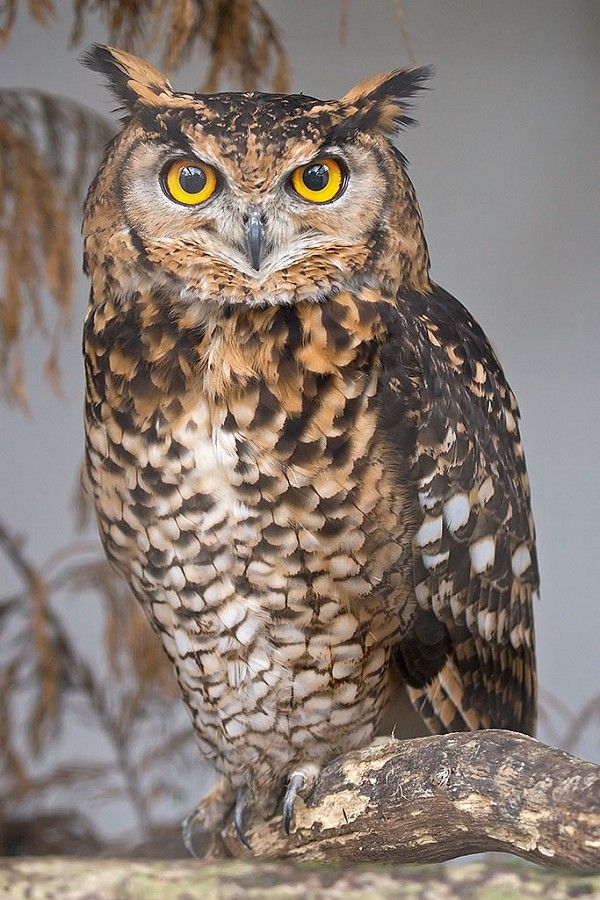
319, 181
189, 181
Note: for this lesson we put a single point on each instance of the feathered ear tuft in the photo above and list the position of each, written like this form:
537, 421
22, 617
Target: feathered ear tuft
380, 104
133, 81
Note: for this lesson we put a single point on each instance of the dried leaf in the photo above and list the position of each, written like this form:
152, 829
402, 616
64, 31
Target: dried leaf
81, 500
13, 765
126, 706
69, 137
44, 716
148, 660
35, 245
404, 30
242, 39
40, 10
49, 149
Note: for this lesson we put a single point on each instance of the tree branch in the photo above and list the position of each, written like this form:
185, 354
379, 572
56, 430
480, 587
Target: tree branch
435, 798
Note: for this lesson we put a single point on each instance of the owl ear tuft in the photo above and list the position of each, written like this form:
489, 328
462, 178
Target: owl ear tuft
133, 81
380, 104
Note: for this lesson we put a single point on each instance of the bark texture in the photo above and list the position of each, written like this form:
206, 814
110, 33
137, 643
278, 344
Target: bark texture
55, 878
435, 798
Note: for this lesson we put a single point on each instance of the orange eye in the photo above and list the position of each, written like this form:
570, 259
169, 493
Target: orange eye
319, 181
189, 181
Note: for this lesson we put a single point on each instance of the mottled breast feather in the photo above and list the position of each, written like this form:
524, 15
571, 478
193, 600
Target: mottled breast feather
448, 411
243, 489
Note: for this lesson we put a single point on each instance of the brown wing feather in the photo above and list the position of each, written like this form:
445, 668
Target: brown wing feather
468, 659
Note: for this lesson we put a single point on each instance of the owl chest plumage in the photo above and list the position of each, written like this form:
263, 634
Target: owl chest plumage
252, 511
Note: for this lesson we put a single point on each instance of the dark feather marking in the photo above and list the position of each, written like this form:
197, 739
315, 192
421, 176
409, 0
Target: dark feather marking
421, 396
424, 651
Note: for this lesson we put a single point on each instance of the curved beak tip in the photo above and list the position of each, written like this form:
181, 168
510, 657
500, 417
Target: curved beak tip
254, 238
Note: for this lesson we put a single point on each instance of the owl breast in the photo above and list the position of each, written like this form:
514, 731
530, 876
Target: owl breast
261, 535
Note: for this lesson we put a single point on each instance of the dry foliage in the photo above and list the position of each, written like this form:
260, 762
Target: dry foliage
69, 137
48, 149
35, 245
239, 38
40, 10
47, 683
243, 41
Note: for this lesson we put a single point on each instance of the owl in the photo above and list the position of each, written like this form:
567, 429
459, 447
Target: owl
304, 454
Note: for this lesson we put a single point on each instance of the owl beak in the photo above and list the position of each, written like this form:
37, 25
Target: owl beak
254, 236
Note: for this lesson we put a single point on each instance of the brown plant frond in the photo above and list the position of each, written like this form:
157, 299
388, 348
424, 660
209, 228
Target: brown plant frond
125, 20
45, 712
42, 11
119, 707
150, 663
131, 647
12, 765
67, 136
35, 246
49, 149
405, 32
402, 20
52, 364
46, 709
7, 606
81, 499
9, 15
343, 25
243, 41
39, 10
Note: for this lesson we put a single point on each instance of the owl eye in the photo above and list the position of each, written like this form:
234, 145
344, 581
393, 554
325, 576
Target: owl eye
189, 181
319, 181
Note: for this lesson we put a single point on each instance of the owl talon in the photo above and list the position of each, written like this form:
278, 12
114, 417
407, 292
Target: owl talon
241, 801
291, 792
208, 816
187, 833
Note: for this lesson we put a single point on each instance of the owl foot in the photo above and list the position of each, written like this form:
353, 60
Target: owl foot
300, 783
241, 802
208, 815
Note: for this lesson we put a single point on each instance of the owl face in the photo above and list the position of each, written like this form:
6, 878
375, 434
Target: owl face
253, 198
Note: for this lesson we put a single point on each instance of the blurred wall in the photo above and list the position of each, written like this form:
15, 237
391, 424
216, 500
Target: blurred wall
505, 164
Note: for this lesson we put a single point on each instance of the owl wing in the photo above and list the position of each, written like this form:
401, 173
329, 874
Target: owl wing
468, 660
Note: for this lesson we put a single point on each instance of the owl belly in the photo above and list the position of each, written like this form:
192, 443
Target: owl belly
276, 585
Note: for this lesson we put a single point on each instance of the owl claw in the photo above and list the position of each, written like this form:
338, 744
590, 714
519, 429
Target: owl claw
187, 831
209, 816
238, 816
294, 784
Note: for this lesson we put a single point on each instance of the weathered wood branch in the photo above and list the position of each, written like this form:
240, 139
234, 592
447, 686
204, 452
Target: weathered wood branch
436, 798
60, 878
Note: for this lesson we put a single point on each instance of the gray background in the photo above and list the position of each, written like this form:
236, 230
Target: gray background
505, 163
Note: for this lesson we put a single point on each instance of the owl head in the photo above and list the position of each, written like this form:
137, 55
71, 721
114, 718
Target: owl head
250, 197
